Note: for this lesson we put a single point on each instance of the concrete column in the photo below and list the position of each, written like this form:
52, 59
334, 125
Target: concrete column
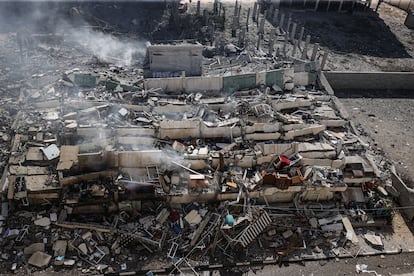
242, 37
288, 23
305, 48
205, 17
198, 7
315, 51
236, 8
234, 27
212, 29
259, 37
282, 19
295, 46
254, 11
215, 7
271, 46
247, 19
285, 42
239, 11
324, 58
302, 31
293, 32
275, 17
316, 5
353, 5
261, 26
340, 5
257, 15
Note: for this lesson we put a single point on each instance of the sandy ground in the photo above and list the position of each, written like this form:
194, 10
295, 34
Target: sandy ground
389, 124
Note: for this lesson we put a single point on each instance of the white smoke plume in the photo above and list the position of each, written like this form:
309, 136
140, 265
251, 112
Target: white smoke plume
109, 48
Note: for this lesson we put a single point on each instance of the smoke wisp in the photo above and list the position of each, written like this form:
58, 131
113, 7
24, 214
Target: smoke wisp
109, 48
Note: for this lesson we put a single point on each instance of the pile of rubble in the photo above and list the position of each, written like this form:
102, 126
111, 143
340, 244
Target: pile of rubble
190, 179
103, 173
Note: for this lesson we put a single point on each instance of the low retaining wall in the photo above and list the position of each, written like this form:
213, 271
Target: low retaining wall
370, 80
222, 83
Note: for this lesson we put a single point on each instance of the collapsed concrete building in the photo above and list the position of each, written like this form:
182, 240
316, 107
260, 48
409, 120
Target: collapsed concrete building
245, 154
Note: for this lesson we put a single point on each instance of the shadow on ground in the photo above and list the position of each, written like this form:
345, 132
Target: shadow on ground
374, 93
359, 33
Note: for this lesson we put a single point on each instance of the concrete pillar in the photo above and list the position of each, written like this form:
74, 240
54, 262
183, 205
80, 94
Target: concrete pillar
259, 37
239, 11
315, 51
295, 46
288, 23
324, 59
340, 5
254, 12
261, 26
302, 31
219, 10
198, 7
408, 8
257, 15
285, 42
247, 19
212, 29
282, 19
316, 5
293, 32
275, 17
205, 17
234, 27
242, 36
236, 8
271, 46
305, 48
215, 7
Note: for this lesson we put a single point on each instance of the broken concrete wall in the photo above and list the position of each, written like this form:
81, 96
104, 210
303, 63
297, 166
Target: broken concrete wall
227, 83
275, 77
172, 58
406, 195
166, 84
239, 82
197, 84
